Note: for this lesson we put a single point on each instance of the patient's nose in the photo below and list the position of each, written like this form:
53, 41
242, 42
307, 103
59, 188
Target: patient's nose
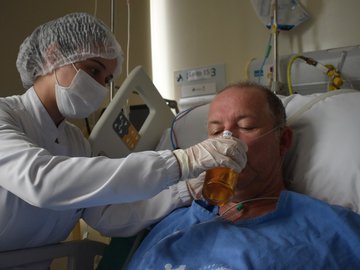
234, 132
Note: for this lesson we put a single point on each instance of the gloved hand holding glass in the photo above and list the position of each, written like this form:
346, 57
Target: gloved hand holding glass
222, 158
214, 152
195, 186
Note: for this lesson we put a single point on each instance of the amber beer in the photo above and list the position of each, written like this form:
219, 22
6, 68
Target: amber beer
219, 185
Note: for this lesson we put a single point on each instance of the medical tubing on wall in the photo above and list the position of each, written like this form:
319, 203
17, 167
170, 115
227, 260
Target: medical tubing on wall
128, 38
288, 73
335, 79
266, 56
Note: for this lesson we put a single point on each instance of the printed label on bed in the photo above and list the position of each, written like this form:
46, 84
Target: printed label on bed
126, 131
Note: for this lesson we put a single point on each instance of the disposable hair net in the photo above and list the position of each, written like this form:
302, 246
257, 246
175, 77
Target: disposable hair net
72, 38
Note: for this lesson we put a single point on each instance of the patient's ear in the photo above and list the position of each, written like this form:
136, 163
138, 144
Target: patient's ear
286, 138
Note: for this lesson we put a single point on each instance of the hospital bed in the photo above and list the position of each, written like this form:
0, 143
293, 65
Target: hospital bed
323, 162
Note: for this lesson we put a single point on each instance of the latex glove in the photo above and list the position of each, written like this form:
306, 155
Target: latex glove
213, 152
195, 186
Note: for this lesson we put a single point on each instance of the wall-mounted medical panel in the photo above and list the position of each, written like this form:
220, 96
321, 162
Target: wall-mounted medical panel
199, 85
305, 78
200, 81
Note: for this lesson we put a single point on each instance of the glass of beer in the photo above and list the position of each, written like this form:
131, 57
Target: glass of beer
220, 182
219, 185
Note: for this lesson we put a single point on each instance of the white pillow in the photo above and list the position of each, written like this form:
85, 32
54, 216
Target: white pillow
189, 128
324, 160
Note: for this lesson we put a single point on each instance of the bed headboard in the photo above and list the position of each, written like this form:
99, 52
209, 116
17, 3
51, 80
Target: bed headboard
324, 160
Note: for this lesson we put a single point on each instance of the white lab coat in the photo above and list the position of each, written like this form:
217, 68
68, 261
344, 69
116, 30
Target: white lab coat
47, 179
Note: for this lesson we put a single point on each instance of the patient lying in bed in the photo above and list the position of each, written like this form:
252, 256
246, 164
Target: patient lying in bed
265, 226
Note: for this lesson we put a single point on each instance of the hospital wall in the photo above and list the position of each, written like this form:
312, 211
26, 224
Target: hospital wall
186, 34
18, 18
206, 32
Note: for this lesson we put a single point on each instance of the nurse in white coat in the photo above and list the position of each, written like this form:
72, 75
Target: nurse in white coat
48, 179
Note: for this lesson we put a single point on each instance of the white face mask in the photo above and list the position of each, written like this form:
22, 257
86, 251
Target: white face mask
82, 97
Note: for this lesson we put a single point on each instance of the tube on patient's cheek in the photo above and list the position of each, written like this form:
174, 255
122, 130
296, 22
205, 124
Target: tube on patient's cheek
257, 139
220, 182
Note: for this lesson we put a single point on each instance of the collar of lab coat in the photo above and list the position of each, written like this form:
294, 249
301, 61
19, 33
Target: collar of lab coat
34, 106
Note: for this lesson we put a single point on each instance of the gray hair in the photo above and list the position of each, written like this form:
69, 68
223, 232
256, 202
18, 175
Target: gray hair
275, 104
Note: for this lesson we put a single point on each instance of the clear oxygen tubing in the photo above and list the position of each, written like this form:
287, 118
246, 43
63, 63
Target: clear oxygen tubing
240, 205
112, 28
266, 56
335, 79
275, 85
95, 8
128, 38
126, 107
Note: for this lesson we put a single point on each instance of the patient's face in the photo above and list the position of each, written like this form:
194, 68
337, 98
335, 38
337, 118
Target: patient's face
246, 113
